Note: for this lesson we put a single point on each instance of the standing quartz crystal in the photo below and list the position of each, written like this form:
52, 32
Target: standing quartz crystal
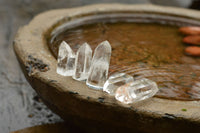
66, 60
100, 64
115, 81
82, 62
136, 91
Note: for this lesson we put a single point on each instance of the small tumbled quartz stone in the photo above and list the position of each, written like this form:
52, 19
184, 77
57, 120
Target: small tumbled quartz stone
66, 60
136, 91
83, 62
115, 81
99, 67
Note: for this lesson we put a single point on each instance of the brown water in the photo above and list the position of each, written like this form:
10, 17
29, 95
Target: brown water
153, 51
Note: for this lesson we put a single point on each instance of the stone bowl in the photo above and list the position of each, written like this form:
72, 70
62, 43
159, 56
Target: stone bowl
93, 110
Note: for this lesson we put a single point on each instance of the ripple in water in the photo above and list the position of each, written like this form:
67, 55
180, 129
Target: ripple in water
153, 51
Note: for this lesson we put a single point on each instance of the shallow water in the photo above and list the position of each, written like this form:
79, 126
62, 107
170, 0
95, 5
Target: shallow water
154, 51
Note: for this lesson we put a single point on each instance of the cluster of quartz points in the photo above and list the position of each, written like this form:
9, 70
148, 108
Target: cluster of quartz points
82, 66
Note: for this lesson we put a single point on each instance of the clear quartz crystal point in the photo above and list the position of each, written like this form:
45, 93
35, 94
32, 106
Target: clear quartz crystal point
136, 91
100, 64
66, 60
115, 81
83, 62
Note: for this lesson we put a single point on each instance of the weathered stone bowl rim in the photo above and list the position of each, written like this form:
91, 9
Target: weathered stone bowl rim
66, 96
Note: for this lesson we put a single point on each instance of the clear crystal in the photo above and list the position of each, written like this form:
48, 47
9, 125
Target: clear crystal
66, 60
100, 64
115, 81
83, 62
136, 91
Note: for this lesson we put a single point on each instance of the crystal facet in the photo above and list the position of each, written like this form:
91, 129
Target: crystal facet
66, 60
136, 91
83, 62
115, 81
100, 64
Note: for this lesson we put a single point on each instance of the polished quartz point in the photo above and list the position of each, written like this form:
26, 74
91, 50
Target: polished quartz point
66, 60
115, 81
83, 62
100, 64
136, 91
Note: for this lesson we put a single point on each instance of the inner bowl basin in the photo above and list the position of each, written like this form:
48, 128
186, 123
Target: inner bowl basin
89, 108
143, 45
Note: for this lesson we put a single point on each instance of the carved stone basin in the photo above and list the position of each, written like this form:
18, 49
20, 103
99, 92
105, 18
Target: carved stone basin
93, 110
